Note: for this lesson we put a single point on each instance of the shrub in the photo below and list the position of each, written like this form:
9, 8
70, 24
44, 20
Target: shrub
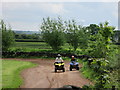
7, 36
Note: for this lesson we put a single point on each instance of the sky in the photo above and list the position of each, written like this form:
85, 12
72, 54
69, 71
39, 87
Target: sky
28, 15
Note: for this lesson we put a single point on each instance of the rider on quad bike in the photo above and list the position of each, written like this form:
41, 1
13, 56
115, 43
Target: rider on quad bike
74, 64
73, 59
59, 63
58, 58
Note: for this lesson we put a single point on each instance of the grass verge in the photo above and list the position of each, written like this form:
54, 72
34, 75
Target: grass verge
11, 70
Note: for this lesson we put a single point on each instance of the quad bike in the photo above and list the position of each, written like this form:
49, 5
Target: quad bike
59, 66
74, 64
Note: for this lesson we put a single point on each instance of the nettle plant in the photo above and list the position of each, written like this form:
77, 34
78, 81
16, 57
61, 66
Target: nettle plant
102, 74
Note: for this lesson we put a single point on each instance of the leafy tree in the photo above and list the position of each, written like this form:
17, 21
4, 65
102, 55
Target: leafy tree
84, 38
97, 46
7, 36
101, 48
106, 31
100, 42
76, 35
93, 29
18, 36
53, 32
27, 36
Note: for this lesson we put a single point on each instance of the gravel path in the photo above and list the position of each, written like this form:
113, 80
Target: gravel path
43, 76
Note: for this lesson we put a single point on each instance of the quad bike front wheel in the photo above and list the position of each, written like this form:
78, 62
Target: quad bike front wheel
55, 70
63, 69
77, 68
70, 68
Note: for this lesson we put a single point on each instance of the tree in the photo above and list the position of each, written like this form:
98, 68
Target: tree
100, 42
93, 29
101, 48
77, 35
7, 36
106, 31
97, 45
84, 38
72, 33
53, 32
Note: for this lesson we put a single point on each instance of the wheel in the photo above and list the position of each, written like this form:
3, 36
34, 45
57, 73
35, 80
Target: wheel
70, 68
63, 69
55, 70
77, 68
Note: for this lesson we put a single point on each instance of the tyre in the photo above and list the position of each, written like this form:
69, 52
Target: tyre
70, 68
63, 69
77, 68
55, 70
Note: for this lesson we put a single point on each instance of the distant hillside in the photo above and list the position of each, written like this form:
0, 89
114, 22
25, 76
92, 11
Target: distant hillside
26, 32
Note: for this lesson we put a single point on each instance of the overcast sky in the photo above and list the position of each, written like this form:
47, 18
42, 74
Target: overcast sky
28, 15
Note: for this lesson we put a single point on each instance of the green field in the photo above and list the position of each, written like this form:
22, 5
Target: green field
42, 46
11, 72
35, 46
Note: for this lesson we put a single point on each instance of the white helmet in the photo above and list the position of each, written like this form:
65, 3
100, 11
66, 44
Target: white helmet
59, 55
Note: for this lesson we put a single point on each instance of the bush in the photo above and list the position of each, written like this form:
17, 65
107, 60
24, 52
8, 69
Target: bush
7, 36
28, 40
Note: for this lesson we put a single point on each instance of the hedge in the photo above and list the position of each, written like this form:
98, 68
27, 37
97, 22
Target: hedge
13, 54
28, 40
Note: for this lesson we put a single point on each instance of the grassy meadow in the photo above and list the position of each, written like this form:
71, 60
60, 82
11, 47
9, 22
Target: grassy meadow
36, 46
11, 70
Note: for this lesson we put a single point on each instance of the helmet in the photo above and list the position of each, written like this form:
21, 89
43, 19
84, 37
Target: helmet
72, 56
59, 55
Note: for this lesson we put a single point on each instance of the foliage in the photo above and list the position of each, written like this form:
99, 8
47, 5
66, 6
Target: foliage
102, 48
84, 39
76, 35
27, 36
7, 36
93, 29
72, 33
53, 32
113, 57
100, 42
106, 31
99, 66
97, 46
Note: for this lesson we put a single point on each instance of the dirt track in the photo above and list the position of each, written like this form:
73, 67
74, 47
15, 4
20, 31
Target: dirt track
43, 76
